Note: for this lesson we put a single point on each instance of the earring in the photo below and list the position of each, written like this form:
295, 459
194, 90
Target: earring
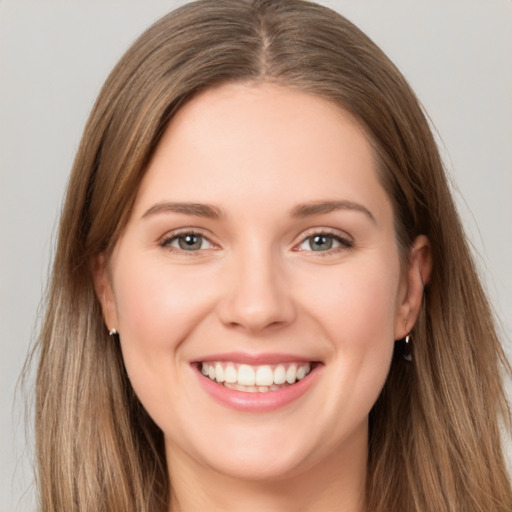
112, 332
407, 348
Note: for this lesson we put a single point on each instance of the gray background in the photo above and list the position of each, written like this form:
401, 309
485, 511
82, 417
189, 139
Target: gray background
54, 56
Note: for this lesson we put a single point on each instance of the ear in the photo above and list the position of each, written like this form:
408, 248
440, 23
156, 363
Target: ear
416, 276
104, 291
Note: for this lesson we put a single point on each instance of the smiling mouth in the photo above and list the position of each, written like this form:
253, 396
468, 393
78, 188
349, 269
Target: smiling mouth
255, 379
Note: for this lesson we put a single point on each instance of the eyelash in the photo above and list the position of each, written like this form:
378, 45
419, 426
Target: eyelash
344, 242
166, 242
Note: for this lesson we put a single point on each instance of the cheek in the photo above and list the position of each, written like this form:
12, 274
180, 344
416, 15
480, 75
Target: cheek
357, 304
157, 308
158, 305
356, 311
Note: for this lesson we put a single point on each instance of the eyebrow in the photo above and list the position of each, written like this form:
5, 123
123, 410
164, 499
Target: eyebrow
323, 207
299, 211
197, 209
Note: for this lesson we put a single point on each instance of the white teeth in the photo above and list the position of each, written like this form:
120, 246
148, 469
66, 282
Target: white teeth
302, 371
219, 373
230, 375
246, 375
264, 376
291, 374
238, 387
280, 375
255, 379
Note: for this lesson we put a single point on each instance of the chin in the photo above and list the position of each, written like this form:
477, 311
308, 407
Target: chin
258, 464
252, 453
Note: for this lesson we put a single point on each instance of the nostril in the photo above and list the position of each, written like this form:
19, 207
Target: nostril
268, 314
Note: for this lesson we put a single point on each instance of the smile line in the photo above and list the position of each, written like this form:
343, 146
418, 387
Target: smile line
253, 379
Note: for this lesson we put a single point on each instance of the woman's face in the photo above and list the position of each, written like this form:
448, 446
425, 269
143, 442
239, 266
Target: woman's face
260, 251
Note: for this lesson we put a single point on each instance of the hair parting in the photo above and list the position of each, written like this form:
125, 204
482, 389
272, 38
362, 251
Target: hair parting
435, 429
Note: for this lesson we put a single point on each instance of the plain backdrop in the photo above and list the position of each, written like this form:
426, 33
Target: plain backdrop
54, 56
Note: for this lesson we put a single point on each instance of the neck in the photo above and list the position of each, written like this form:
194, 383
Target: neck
335, 483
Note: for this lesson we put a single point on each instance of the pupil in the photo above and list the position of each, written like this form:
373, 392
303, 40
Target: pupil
321, 243
188, 242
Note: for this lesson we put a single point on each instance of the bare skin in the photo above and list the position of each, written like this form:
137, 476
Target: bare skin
261, 229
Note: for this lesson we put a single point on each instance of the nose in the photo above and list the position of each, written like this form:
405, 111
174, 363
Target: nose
258, 296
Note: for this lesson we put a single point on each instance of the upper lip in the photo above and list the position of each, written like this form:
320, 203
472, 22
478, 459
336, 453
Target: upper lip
254, 359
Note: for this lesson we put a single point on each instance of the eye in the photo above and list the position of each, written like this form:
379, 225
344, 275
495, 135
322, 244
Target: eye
187, 241
323, 242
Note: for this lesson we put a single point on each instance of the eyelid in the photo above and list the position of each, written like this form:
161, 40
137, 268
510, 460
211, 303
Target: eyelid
165, 240
346, 241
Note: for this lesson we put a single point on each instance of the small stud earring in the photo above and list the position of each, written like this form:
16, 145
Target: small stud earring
112, 332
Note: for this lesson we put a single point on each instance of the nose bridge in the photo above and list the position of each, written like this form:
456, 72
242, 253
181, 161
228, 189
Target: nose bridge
258, 295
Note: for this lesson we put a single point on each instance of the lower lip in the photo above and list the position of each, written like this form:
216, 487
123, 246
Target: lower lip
258, 402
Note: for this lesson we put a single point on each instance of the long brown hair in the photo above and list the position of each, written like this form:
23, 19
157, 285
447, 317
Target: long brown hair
434, 440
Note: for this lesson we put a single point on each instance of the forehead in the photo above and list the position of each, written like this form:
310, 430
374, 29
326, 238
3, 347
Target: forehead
261, 142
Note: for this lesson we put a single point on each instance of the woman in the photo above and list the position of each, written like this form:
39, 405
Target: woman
259, 218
